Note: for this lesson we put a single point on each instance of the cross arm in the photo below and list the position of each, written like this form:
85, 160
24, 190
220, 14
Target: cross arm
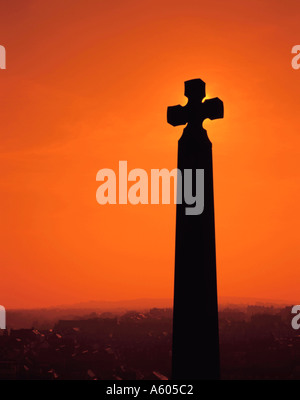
213, 108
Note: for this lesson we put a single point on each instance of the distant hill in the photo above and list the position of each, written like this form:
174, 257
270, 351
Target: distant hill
45, 318
251, 301
144, 304
139, 304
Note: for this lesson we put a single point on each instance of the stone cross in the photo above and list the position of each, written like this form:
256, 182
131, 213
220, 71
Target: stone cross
195, 318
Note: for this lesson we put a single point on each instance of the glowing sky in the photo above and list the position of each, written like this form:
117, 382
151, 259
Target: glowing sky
87, 84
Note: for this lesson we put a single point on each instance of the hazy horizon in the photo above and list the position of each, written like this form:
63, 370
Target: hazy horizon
144, 303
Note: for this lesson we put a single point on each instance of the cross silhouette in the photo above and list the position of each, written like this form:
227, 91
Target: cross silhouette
195, 312
196, 110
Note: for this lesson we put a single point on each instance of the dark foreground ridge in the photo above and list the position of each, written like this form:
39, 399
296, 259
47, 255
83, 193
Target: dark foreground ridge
256, 342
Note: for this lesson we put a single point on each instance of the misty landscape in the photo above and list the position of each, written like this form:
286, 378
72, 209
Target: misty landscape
256, 342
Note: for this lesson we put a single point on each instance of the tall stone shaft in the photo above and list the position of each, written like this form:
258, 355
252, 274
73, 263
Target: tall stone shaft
195, 318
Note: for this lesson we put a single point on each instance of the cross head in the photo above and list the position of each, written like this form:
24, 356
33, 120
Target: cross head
196, 110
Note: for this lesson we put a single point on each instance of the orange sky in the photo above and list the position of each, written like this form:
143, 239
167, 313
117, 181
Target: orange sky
87, 84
